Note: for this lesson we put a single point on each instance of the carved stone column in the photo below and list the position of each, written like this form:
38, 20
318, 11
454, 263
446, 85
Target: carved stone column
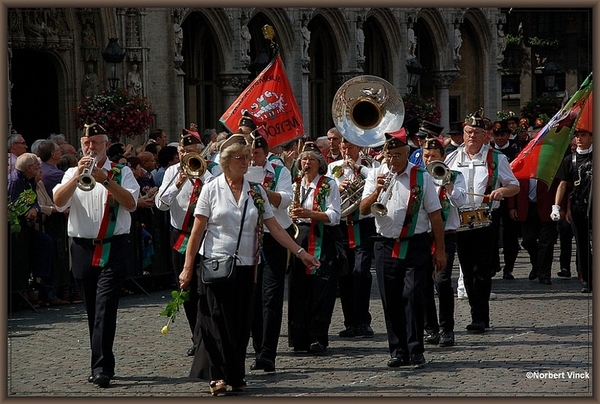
231, 85
442, 80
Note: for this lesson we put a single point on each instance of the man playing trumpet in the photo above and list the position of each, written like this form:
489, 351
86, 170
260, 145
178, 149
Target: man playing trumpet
403, 217
99, 223
357, 233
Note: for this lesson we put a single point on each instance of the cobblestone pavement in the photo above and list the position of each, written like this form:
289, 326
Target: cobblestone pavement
540, 344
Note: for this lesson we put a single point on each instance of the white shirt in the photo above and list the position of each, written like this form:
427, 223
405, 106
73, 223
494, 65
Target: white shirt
283, 188
348, 173
457, 198
391, 225
332, 202
476, 173
180, 198
87, 207
224, 214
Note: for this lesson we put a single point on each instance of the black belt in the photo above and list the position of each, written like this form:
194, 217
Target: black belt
100, 241
394, 239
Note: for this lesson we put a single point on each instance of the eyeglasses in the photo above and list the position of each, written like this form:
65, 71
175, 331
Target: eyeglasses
394, 156
473, 132
243, 157
88, 143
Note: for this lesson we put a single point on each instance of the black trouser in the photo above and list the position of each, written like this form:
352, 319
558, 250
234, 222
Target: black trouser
312, 296
565, 232
508, 229
539, 238
101, 289
582, 230
401, 286
475, 249
444, 289
224, 326
268, 297
191, 306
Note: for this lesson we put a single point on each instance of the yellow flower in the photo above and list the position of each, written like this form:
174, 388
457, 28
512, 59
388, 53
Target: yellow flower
165, 330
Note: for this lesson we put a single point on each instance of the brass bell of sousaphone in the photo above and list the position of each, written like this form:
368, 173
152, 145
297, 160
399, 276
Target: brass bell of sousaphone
364, 108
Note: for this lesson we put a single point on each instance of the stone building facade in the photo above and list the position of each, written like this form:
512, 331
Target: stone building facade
193, 62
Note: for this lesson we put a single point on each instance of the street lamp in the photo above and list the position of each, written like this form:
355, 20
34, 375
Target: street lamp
113, 54
414, 69
549, 73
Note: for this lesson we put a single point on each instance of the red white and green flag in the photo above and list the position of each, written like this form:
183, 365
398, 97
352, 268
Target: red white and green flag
543, 154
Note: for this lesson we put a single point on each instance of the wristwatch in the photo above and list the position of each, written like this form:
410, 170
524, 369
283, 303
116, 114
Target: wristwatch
106, 181
299, 252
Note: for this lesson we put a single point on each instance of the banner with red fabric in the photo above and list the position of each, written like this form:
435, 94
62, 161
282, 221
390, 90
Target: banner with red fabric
270, 102
543, 154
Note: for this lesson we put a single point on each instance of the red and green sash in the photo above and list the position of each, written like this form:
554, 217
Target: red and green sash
108, 222
315, 238
492, 167
412, 213
269, 182
182, 241
353, 225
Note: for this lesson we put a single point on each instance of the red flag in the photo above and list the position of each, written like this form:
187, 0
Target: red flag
270, 101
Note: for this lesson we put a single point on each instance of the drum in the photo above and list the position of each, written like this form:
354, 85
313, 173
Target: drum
474, 217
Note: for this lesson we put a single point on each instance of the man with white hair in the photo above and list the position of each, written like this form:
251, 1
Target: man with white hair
99, 224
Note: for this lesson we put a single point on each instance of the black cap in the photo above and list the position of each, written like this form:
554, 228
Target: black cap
92, 128
246, 120
257, 141
392, 142
411, 125
476, 120
501, 127
430, 129
311, 146
189, 137
456, 128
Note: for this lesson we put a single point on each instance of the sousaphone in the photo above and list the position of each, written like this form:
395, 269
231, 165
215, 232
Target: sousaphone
364, 108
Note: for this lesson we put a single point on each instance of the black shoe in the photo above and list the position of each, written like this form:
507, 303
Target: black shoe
585, 288
191, 351
417, 360
508, 276
532, 276
349, 332
476, 327
396, 362
263, 364
364, 330
564, 273
317, 348
447, 338
545, 281
432, 338
101, 380
90, 378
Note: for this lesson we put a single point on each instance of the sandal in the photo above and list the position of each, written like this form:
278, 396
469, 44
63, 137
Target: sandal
217, 387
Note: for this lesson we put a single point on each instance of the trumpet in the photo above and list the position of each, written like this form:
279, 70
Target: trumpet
206, 152
85, 181
439, 171
378, 208
193, 166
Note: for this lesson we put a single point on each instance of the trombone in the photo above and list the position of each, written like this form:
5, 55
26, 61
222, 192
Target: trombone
193, 166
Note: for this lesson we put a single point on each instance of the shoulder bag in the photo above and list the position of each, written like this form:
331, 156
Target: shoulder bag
217, 270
